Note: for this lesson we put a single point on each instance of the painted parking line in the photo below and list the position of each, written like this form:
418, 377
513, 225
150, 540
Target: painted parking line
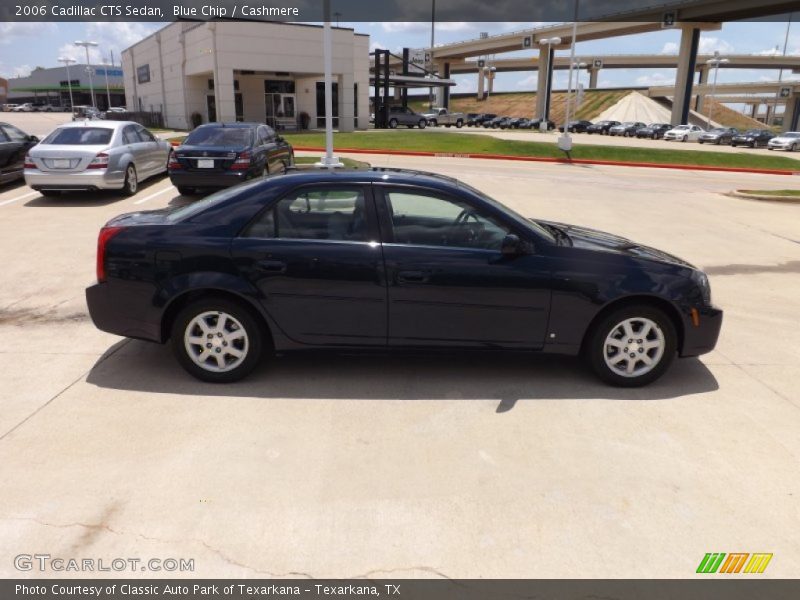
153, 195
28, 195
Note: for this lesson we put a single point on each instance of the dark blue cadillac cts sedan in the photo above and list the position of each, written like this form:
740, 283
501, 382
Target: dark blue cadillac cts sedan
388, 259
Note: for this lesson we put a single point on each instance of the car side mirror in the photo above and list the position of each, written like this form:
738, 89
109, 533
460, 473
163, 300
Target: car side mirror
512, 246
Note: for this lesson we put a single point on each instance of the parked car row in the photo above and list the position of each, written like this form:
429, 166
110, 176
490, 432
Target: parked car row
93, 155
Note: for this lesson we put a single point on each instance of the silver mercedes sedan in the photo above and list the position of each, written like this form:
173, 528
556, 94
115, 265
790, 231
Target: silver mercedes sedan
95, 155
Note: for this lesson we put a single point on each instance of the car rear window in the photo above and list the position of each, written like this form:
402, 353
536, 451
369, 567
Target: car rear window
80, 136
219, 136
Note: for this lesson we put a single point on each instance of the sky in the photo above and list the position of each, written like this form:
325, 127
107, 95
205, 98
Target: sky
21, 47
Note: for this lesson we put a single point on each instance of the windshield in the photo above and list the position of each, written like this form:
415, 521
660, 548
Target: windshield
80, 136
513, 214
791, 135
752, 132
682, 127
219, 136
718, 130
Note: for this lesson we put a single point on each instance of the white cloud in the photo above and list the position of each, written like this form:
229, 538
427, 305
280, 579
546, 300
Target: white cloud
709, 45
109, 37
21, 71
422, 27
657, 78
528, 82
670, 48
376, 46
465, 84
10, 31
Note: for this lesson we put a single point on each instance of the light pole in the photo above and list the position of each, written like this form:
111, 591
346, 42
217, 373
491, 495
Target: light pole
67, 61
329, 160
714, 62
549, 42
86, 46
780, 72
106, 64
433, 41
565, 141
578, 67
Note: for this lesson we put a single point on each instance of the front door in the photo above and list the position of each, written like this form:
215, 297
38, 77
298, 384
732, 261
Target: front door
449, 284
314, 256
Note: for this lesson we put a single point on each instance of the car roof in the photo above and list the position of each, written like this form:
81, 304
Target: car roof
98, 124
232, 125
374, 174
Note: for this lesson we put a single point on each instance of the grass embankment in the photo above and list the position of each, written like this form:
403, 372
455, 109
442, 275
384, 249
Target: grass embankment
777, 193
523, 104
456, 143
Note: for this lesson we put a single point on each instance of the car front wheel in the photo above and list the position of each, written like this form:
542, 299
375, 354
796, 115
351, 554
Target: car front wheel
422, 123
632, 346
392, 123
217, 340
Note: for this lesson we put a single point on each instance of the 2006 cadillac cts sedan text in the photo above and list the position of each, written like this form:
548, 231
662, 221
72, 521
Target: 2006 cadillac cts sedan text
384, 259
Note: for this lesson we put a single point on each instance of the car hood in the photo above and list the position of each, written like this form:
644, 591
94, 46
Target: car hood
601, 241
784, 140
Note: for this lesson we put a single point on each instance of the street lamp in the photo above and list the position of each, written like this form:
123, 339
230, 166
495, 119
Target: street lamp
107, 64
67, 61
549, 42
329, 160
86, 46
714, 62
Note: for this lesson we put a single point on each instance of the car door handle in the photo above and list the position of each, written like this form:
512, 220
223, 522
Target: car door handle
412, 277
271, 266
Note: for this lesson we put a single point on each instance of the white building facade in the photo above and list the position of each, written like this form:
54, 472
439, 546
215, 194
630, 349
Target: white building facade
247, 71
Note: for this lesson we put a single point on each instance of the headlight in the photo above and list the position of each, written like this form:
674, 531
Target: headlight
701, 279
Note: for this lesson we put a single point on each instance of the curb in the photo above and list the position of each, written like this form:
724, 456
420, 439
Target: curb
764, 197
576, 161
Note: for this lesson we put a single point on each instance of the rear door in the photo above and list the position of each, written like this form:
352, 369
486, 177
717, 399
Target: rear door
315, 257
448, 282
156, 159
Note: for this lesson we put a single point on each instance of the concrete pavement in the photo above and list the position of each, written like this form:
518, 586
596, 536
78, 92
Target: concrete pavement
460, 467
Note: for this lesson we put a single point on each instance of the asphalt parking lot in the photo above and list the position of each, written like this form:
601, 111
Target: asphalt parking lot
399, 467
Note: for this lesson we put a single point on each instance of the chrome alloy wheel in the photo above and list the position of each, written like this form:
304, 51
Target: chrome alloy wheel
634, 347
216, 342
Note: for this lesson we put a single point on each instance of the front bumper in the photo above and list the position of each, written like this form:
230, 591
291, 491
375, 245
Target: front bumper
701, 338
217, 179
780, 145
90, 179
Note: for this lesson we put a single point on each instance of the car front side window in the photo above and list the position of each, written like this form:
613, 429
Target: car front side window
427, 219
331, 213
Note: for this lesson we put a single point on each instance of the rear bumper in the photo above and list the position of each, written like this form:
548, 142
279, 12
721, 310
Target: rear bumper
117, 309
208, 180
701, 338
85, 180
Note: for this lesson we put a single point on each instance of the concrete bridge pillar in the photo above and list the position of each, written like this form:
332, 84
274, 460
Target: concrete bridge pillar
687, 61
481, 80
703, 79
792, 112
593, 73
544, 82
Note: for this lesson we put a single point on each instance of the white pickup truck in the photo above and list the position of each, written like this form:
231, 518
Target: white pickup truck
441, 116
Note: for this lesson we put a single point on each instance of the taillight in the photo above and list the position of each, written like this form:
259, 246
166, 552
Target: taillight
29, 164
106, 233
242, 162
173, 162
99, 162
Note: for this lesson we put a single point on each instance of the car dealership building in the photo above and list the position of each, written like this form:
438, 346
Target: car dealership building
247, 71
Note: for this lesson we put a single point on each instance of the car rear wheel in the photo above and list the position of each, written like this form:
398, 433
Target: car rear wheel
131, 185
422, 123
217, 340
459, 124
632, 346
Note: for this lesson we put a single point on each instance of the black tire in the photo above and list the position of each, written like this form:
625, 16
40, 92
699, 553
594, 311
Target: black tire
433, 123
185, 191
701, 142
422, 123
392, 123
793, 148
131, 185
595, 347
459, 124
252, 345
